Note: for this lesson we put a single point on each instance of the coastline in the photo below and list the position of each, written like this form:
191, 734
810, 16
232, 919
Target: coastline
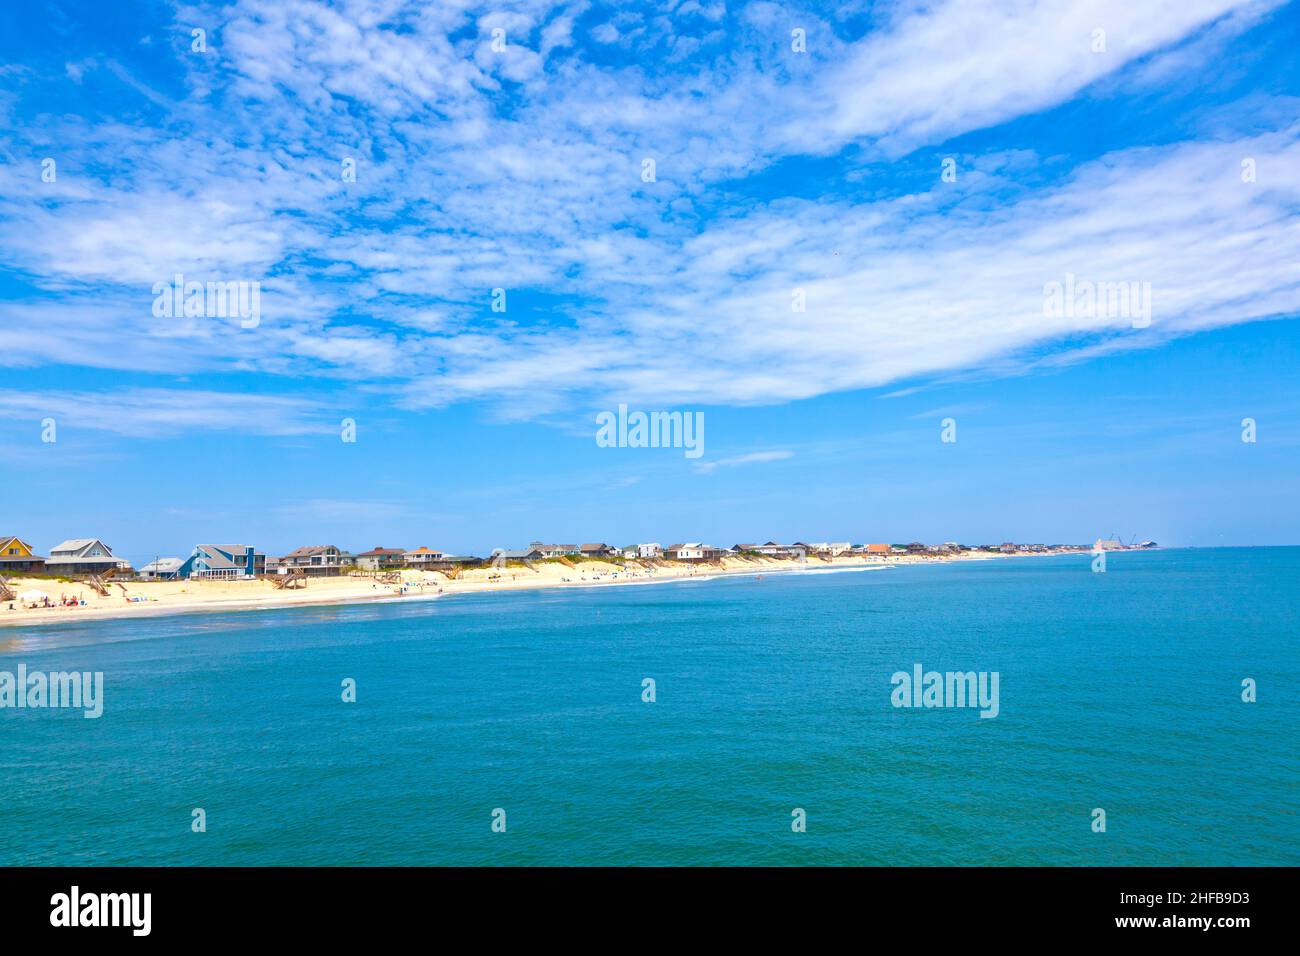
166, 598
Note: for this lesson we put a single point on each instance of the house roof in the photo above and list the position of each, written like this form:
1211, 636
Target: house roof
163, 565
381, 552
310, 550
9, 541
423, 550
75, 545
600, 546
218, 556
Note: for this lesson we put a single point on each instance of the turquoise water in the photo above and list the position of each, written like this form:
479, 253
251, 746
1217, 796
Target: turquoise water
1119, 690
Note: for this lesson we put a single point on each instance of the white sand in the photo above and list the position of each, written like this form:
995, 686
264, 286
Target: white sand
178, 597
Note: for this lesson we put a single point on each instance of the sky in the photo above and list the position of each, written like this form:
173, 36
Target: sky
833, 231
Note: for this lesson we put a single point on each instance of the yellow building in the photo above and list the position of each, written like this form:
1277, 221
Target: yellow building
17, 557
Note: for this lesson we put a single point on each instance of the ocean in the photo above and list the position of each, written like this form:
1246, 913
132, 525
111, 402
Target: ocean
1119, 691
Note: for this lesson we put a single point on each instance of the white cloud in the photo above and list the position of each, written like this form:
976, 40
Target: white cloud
474, 172
948, 68
329, 509
753, 458
154, 413
923, 289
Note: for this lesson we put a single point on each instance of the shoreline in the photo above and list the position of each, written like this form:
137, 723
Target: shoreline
169, 598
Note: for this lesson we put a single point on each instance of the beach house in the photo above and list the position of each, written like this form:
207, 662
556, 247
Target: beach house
772, 549
82, 556
502, 555
693, 551
555, 550
598, 550
649, 550
423, 558
459, 561
320, 560
835, 548
878, 549
17, 557
161, 569
223, 561
382, 559
825, 549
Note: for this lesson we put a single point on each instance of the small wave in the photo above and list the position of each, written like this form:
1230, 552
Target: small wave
872, 567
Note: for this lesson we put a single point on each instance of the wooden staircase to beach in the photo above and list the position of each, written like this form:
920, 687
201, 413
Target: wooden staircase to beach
6, 592
98, 582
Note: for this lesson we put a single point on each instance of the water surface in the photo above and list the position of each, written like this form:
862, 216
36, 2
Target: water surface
1119, 690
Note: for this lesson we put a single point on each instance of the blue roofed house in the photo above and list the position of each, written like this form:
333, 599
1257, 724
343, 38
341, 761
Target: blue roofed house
223, 561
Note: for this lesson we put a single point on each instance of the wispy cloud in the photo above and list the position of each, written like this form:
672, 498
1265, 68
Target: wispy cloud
328, 509
923, 80
522, 170
156, 413
753, 458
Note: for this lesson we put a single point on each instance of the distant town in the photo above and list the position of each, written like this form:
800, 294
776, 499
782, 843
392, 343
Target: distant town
80, 557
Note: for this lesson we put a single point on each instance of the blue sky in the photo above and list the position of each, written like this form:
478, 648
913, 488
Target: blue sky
1107, 141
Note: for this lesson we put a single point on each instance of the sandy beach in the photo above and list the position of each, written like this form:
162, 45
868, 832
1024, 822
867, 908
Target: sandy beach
146, 598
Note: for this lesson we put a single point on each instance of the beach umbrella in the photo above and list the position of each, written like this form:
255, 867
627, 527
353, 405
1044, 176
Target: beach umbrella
33, 595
